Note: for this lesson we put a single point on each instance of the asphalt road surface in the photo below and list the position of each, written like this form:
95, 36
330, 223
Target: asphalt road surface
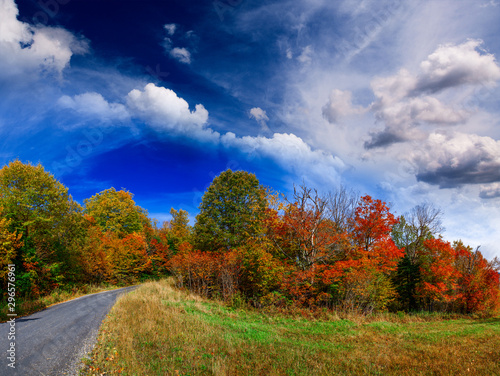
53, 342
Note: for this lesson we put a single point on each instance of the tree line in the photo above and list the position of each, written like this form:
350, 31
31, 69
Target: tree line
336, 251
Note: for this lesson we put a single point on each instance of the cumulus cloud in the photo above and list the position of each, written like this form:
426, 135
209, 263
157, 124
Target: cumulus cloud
167, 113
423, 109
260, 115
393, 88
291, 153
454, 160
405, 101
181, 54
164, 110
339, 105
490, 191
93, 104
392, 135
451, 66
28, 50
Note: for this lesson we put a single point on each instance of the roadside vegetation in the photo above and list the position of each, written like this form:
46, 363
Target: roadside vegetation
327, 282
161, 330
335, 251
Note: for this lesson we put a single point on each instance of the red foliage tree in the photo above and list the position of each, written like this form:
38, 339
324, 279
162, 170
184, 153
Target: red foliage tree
371, 236
439, 275
479, 285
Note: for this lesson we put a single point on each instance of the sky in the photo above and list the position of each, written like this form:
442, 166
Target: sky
395, 99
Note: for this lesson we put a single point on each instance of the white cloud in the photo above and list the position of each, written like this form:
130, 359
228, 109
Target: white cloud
457, 159
167, 113
260, 115
164, 110
306, 56
426, 109
93, 104
403, 100
339, 105
181, 54
292, 154
490, 191
455, 65
170, 28
167, 44
392, 88
28, 50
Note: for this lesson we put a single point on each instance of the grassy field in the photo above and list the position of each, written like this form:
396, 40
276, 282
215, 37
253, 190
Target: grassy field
159, 330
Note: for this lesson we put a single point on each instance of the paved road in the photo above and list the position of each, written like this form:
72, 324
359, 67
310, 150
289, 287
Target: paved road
52, 342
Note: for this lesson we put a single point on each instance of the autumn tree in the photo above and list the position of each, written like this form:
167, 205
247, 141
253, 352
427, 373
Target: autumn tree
116, 211
371, 234
479, 280
231, 211
304, 234
94, 260
10, 243
439, 281
40, 208
363, 276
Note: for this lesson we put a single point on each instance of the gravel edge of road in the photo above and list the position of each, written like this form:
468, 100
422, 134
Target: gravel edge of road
91, 340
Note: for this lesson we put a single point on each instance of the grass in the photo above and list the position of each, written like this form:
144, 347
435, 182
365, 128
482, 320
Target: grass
26, 307
159, 330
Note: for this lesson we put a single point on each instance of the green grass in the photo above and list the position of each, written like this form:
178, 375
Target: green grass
158, 330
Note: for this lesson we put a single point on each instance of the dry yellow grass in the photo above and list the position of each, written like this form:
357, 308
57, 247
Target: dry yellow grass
159, 330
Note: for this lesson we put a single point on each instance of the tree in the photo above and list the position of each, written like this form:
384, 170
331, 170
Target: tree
116, 211
304, 234
177, 230
479, 282
40, 208
94, 259
231, 211
363, 275
439, 276
10, 242
341, 207
422, 223
371, 234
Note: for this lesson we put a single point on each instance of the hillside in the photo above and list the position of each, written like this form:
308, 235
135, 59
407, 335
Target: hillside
159, 330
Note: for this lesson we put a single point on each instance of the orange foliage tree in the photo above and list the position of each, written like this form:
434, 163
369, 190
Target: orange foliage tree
362, 277
10, 243
439, 284
478, 284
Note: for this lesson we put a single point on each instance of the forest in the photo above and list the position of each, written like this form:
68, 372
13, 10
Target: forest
335, 251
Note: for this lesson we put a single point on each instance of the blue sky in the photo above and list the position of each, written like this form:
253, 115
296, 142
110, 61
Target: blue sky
395, 99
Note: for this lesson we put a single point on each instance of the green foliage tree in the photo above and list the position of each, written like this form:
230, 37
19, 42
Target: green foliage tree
117, 211
177, 230
231, 211
179, 225
39, 208
422, 223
